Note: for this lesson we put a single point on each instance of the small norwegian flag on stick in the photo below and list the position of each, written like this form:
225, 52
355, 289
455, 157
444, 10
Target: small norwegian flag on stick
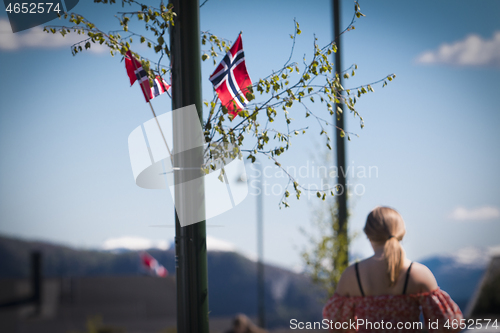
231, 79
135, 72
152, 265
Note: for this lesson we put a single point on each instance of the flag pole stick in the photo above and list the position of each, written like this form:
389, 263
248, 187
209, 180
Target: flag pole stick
152, 110
161, 132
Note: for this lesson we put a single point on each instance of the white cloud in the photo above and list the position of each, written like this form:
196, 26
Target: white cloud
475, 214
134, 243
37, 38
472, 51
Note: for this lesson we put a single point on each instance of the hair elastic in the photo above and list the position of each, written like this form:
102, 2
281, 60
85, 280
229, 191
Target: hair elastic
391, 237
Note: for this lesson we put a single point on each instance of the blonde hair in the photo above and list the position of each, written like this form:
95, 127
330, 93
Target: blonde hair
385, 226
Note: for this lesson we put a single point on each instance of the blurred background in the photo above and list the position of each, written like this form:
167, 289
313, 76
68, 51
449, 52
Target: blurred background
429, 148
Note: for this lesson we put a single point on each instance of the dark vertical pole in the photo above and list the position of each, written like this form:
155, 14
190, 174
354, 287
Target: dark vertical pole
190, 241
340, 142
260, 249
36, 279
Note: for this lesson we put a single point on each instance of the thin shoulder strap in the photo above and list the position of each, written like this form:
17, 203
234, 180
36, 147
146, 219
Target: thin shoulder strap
359, 281
406, 279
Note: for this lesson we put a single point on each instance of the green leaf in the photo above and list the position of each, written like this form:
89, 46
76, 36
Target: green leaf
249, 96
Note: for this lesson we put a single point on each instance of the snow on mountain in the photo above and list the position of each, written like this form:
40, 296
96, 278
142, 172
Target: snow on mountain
133, 243
215, 244
474, 257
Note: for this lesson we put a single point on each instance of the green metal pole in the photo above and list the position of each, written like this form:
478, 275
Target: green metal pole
340, 142
190, 241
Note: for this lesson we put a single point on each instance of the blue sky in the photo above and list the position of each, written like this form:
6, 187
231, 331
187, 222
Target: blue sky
431, 134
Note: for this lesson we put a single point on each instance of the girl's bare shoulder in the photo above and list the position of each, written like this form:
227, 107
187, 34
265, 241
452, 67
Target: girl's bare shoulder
421, 279
348, 283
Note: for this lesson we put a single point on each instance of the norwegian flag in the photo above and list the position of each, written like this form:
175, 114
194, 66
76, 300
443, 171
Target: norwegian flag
152, 265
160, 86
231, 79
135, 72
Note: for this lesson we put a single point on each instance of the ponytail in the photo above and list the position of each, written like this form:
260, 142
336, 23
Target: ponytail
393, 253
384, 225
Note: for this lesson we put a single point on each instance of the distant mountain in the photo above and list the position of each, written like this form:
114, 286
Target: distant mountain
459, 275
232, 277
60, 261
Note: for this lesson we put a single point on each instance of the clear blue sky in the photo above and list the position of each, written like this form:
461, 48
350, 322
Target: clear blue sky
432, 134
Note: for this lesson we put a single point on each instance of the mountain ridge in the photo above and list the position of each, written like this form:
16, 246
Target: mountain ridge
232, 275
